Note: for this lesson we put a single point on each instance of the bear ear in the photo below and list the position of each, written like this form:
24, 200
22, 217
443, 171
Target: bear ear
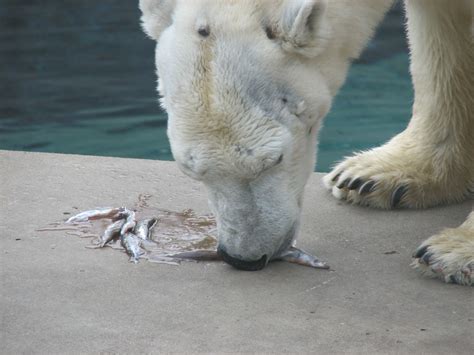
156, 16
303, 26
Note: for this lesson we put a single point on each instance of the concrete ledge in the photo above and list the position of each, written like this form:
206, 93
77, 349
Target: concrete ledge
57, 296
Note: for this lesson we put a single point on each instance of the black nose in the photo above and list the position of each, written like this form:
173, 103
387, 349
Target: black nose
242, 264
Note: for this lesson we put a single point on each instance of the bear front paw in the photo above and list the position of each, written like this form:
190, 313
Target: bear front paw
400, 174
448, 256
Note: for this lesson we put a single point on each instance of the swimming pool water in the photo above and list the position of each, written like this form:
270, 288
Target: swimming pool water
78, 77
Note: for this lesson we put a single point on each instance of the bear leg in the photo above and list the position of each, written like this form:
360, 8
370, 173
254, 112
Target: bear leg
432, 161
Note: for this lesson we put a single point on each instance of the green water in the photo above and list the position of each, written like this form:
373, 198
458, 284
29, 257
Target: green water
373, 106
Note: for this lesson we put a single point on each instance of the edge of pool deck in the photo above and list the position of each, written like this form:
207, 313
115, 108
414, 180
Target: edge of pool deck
57, 296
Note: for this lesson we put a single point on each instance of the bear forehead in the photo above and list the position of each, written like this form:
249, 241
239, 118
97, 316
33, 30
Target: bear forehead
229, 14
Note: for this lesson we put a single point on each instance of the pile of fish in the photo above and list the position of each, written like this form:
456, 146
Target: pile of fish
159, 236
134, 235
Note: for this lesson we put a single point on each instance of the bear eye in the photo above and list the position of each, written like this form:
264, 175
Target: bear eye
280, 159
270, 32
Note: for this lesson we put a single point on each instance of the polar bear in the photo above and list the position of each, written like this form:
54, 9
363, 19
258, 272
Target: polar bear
247, 83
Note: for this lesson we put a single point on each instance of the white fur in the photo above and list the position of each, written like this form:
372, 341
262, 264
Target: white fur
238, 102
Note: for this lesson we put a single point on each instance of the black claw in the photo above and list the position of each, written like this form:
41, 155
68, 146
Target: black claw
426, 258
355, 184
453, 279
344, 183
398, 195
367, 187
334, 179
420, 252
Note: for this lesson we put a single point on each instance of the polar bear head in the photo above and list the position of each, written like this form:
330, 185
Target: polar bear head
245, 97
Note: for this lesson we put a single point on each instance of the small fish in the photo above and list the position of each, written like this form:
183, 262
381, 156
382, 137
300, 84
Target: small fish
197, 255
300, 257
131, 244
111, 232
130, 221
97, 213
143, 228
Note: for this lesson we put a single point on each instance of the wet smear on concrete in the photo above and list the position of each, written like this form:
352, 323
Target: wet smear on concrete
175, 237
182, 232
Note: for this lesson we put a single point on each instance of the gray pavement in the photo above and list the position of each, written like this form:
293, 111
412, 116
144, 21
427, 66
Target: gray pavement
57, 296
